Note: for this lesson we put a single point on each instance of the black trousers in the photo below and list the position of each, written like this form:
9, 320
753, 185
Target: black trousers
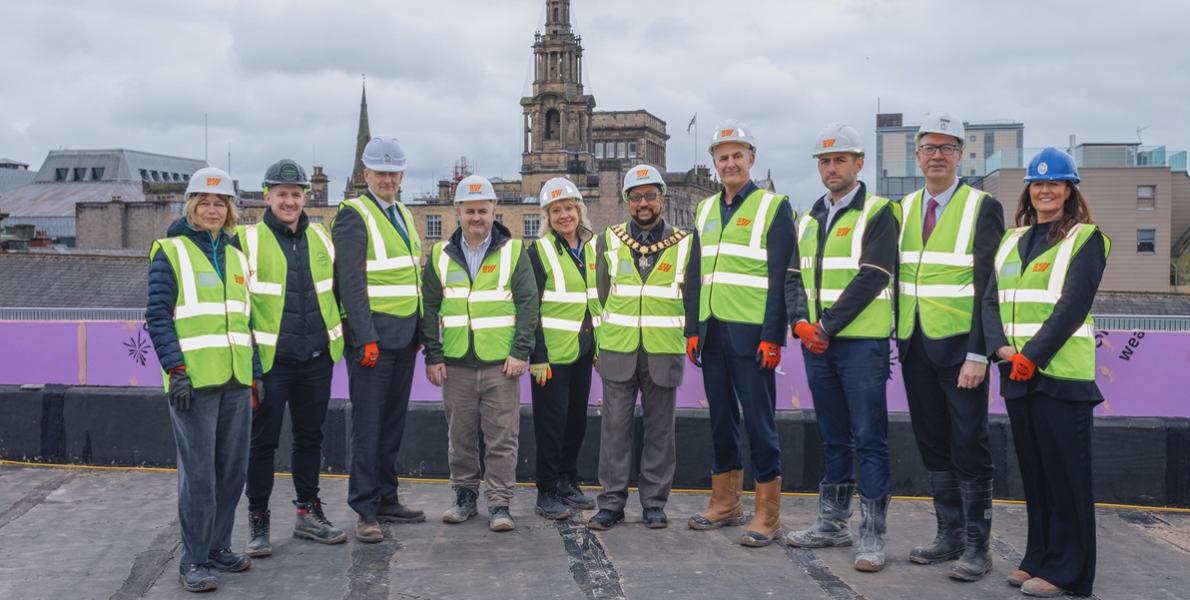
306, 388
560, 420
379, 403
1053, 447
950, 423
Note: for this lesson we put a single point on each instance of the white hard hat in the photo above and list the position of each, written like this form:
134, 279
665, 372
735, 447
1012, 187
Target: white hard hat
211, 180
943, 123
559, 188
642, 175
384, 155
733, 131
474, 187
838, 137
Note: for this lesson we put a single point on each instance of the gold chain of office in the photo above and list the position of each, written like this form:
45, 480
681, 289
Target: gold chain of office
653, 248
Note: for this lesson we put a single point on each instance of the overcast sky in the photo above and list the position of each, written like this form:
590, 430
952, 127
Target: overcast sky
282, 79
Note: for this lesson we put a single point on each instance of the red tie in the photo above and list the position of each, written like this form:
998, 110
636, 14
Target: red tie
927, 227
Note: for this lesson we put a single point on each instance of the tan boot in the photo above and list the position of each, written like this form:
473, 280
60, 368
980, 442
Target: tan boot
725, 509
767, 519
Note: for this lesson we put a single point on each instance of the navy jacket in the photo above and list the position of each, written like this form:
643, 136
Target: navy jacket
163, 293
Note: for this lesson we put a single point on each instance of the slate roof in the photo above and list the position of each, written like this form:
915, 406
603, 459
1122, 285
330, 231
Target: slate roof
1141, 303
35, 279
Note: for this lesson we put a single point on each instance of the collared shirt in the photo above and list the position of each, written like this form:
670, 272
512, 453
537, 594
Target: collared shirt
395, 215
833, 209
942, 199
475, 256
725, 209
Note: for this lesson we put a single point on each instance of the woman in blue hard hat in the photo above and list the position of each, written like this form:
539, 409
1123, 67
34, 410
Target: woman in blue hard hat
1037, 319
198, 318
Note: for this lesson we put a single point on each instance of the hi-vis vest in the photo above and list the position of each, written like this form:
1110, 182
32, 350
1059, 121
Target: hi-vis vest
568, 295
734, 267
267, 270
394, 280
937, 280
649, 312
483, 308
211, 314
1029, 292
839, 264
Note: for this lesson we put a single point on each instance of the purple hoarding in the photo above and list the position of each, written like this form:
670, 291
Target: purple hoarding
1136, 369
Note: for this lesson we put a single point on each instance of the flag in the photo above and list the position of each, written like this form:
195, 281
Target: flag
693, 120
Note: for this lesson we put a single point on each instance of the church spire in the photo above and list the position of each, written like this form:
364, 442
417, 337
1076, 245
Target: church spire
356, 184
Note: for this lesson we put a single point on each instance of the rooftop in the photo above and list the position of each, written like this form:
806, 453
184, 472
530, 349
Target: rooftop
75, 279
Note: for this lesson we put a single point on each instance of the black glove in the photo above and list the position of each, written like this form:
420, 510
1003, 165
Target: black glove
180, 390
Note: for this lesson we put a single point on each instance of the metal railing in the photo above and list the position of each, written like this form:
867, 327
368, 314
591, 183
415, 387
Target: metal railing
1142, 322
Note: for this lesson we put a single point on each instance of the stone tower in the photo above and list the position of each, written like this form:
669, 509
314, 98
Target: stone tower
356, 184
557, 129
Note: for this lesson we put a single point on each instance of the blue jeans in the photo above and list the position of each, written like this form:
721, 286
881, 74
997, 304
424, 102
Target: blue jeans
848, 383
212, 439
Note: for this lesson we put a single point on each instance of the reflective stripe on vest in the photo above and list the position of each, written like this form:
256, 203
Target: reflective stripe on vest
734, 258
483, 308
268, 270
839, 264
394, 279
937, 278
1028, 294
649, 312
566, 298
211, 315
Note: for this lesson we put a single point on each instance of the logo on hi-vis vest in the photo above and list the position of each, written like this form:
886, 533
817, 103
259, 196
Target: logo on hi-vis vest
842, 232
664, 267
1040, 267
239, 280
743, 222
487, 268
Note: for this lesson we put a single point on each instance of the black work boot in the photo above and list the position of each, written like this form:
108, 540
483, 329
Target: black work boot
572, 496
976, 561
464, 507
549, 506
948, 509
196, 577
830, 528
258, 528
312, 524
396, 512
605, 519
227, 561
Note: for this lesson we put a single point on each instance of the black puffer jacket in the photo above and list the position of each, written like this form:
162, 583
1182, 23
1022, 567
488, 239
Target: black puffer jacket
303, 333
163, 293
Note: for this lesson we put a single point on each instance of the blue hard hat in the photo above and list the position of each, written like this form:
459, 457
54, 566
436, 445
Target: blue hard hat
1052, 164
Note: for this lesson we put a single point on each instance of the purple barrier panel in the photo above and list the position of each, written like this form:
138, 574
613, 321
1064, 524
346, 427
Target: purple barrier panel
42, 352
120, 353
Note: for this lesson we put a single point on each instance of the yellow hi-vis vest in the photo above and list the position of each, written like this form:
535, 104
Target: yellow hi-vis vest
211, 315
394, 280
839, 264
734, 267
1028, 294
267, 269
938, 279
568, 295
649, 312
483, 308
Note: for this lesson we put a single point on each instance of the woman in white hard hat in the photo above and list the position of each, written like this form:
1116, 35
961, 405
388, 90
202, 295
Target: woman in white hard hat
1037, 320
563, 262
198, 319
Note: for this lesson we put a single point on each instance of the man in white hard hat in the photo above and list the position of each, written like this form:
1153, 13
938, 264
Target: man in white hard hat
844, 318
949, 237
747, 241
481, 310
377, 254
643, 269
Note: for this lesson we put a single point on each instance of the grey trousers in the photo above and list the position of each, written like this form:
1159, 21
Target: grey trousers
482, 401
658, 455
212, 439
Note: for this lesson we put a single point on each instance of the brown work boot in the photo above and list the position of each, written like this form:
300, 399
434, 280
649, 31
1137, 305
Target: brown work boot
767, 519
368, 532
1041, 588
1017, 578
725, 509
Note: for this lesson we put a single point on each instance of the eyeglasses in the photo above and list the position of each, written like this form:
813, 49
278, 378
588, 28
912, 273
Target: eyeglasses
932, 149
645, 197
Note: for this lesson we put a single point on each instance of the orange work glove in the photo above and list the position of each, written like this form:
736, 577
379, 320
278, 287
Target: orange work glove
768, 355
371, 355
257, 393
813, 337
1022, 368
692, 352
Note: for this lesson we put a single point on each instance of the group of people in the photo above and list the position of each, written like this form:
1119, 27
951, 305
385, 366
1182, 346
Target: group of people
249, 319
